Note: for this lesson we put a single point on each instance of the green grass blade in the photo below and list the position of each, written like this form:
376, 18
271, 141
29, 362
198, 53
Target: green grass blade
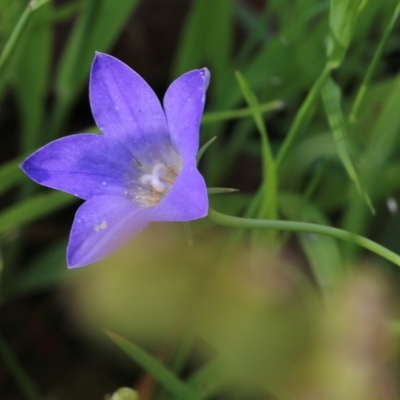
342, 20
33, 208
66, 11
18, 31
204, 148
206, 38
268, 208
24, 382
96, 30
257, 32
384, 140
154, 367
32, 71
206, 380
322, 252
10, 174
331, 95
218, 116
212, 191
302, 117
46, 270
373, 65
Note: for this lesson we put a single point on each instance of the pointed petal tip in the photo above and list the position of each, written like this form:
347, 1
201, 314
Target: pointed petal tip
73, 264
101, 58
99, 54
21, 166
206, 75
26, 165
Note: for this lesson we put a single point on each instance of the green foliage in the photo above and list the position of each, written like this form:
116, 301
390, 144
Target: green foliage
342, 21
331, 96
322, 180
207, 38
163, 375
268, 208
96, 30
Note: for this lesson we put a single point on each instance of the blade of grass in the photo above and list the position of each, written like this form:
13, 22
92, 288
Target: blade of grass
17, 32
32, 71
46, 270
33, 208
96, 30
204, 148
217, 116
206, 380
66, 11
206, 37
24, 382
268, 207
221, 190
154, 367
373, 65
331, 96
383, 143
258, 32
342, 20
322, 252
302, 117
10, 174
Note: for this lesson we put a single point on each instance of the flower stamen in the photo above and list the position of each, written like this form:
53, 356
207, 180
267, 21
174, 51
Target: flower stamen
157, 178
172, 171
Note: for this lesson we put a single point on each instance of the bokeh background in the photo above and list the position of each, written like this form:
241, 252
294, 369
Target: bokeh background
236, 314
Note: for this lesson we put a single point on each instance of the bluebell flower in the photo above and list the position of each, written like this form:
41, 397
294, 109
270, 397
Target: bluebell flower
141, 169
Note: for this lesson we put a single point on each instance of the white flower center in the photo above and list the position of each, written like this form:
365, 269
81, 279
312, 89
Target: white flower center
155, 179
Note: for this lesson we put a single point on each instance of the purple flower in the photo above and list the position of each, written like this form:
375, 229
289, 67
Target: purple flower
143, 167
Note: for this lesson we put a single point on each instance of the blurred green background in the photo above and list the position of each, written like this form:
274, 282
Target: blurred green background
304, 100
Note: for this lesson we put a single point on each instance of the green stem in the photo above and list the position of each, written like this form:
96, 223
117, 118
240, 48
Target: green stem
237, 222
23, 380
302, 116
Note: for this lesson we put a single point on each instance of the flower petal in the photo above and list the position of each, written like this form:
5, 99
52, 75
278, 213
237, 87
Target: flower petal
125, 108
101, 226
84, 165
187, 198
184, 105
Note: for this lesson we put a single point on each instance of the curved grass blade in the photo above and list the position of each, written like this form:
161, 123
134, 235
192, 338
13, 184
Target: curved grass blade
218, 116
32, 71
322, 252
33, 208
384, 140
331, 96
204, 148
24, 381
207, 36
342, 20
302, 117
96, 30
17, 32
268, 208
10, 174
373, 65
154, 367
